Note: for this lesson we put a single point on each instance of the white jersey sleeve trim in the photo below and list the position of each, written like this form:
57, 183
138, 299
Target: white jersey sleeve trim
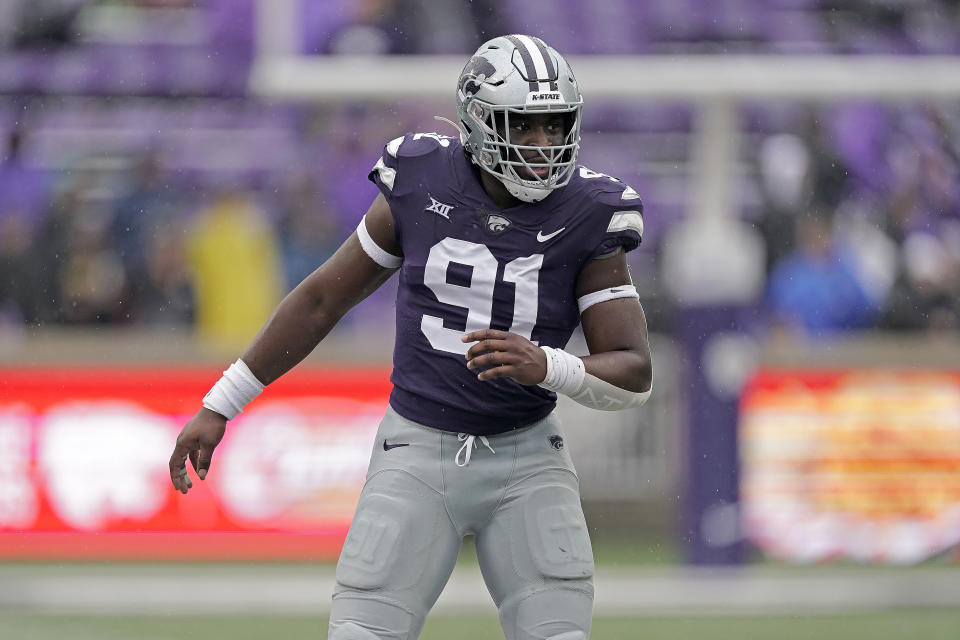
387, 175
394, 146
378, 255
626, 220
622, 291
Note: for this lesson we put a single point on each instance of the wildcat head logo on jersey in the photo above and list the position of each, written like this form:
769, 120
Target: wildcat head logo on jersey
556, 442
497, 224
477, 71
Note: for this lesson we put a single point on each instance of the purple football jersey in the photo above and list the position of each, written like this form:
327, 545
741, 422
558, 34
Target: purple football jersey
469, 265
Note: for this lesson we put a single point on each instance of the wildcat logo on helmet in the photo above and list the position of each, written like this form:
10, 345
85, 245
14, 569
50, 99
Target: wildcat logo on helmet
497, 224
477, 71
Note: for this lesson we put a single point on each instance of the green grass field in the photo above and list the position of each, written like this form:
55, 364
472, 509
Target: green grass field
912, 624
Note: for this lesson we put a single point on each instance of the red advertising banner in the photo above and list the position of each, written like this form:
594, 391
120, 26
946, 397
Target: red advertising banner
85, 475
856, 464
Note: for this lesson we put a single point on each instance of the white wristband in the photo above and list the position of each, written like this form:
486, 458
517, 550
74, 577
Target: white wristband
565, 371
233, 391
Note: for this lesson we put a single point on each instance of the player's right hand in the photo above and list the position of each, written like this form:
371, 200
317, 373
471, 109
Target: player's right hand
196, 441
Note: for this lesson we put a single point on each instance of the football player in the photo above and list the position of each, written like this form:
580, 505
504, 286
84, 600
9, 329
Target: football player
503, 245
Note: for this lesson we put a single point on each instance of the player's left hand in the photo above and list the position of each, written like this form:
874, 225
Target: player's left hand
501, 354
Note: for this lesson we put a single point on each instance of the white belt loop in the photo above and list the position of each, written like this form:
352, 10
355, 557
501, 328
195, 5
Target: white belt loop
469, 442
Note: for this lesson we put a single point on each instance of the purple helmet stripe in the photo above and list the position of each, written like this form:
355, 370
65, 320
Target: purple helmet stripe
531, 73
551, 72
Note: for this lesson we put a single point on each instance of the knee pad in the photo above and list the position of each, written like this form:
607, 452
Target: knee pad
390, 619
561, 611
351, 631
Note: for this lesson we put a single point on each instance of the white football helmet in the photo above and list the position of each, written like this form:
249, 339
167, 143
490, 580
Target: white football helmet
518, 74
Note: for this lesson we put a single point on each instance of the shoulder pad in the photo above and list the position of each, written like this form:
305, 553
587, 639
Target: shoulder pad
623, 197
596, 181
608, 189
413, 145
407, 160
621, 203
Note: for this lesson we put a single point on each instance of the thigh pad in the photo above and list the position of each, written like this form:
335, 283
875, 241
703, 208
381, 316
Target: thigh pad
397, 526
557, 533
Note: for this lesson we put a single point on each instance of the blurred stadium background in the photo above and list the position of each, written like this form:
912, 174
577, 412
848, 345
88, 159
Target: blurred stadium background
170, 168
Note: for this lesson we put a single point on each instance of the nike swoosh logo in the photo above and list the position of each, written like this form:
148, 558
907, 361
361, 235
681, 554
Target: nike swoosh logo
387, 447
544, 238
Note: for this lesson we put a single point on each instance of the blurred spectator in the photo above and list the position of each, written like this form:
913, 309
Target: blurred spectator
815, 290
376, 27
447, 27
91, 279
926, 297
925, 175
22, 188
388, 27
872, 253
308, 233
785, 176
17, 293
40, 23
797, 171
235, 263
164, 292
147, 205
8, 23
49, 251
829, 173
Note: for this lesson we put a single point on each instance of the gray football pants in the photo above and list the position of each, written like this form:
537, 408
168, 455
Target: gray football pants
522, 502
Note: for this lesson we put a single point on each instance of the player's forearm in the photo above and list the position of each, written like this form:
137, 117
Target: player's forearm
626, 381
630, 370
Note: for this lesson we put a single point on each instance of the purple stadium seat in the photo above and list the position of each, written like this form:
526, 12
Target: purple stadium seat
798, 5
23, 190
680, 20
319, 21
740, 19
859, 131
555, 22
796, 32
230, 26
